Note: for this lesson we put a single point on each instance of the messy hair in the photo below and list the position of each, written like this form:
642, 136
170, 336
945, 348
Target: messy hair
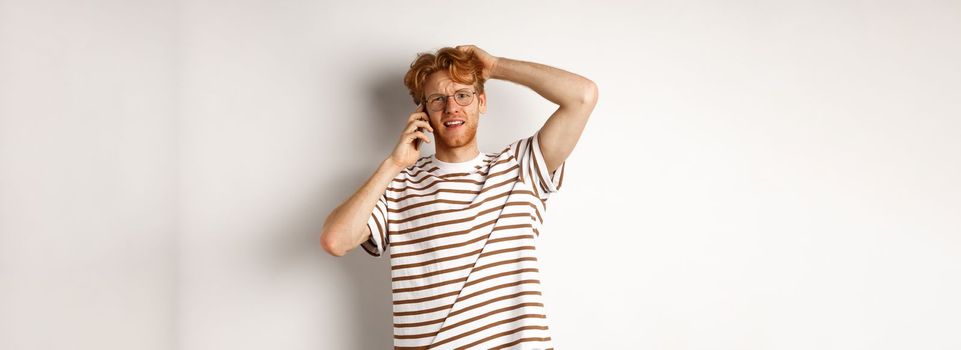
462, 67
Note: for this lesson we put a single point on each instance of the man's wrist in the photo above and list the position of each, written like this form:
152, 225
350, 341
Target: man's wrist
390, 166
497, 68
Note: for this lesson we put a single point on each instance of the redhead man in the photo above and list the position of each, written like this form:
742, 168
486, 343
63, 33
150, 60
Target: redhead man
460, 226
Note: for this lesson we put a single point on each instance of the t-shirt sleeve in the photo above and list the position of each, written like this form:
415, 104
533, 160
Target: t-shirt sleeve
533, 169
377, 243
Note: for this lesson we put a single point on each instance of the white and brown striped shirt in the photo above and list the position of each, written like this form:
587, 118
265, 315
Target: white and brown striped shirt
461, 238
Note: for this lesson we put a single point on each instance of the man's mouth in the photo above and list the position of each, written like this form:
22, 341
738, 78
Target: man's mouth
453, 124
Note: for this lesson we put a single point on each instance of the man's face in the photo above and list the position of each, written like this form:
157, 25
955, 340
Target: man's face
439, 83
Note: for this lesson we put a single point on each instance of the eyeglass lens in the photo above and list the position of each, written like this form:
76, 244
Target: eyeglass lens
463, 97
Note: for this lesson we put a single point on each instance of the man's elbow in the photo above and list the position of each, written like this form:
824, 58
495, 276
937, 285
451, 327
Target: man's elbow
589, 96
330, 243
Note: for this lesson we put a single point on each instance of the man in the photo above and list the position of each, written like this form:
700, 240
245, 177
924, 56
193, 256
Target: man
460, 225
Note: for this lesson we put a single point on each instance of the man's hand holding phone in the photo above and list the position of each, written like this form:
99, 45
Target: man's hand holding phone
408, 148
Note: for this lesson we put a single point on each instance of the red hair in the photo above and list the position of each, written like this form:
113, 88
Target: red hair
462, 67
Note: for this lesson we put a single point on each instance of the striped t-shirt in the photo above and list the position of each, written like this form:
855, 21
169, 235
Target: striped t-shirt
461, 238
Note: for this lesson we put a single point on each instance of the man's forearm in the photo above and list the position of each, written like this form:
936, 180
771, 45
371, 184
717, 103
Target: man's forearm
345, 227
559, 86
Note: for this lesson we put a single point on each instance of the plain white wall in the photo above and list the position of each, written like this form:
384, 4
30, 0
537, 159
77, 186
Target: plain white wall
756, 175
88, 175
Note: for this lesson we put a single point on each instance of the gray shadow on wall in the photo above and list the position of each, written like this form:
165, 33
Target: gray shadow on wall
356, 286
370, 276
369, 283
393, 106
367, 278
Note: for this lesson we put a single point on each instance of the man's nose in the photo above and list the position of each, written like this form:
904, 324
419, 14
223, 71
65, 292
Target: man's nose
450, 106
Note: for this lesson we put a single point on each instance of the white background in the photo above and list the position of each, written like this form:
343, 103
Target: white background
756, 175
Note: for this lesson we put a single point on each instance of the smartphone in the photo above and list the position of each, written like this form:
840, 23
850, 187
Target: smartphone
421, 129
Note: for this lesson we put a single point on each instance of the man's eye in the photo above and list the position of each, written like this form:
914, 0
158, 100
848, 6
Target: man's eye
434, 99
462, 95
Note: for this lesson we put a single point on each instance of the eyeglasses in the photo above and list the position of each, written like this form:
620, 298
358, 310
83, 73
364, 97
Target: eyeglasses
438, 102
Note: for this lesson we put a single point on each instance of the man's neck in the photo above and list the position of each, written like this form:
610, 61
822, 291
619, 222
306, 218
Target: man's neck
457, 155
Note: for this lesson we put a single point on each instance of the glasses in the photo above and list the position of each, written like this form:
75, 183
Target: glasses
438, 102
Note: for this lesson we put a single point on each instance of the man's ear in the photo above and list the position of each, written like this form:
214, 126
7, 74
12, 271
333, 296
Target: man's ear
482, 99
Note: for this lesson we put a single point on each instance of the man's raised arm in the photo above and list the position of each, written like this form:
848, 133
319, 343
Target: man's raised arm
575, 95
346, 226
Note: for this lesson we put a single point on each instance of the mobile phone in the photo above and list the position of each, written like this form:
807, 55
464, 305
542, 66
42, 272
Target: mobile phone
417, 142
